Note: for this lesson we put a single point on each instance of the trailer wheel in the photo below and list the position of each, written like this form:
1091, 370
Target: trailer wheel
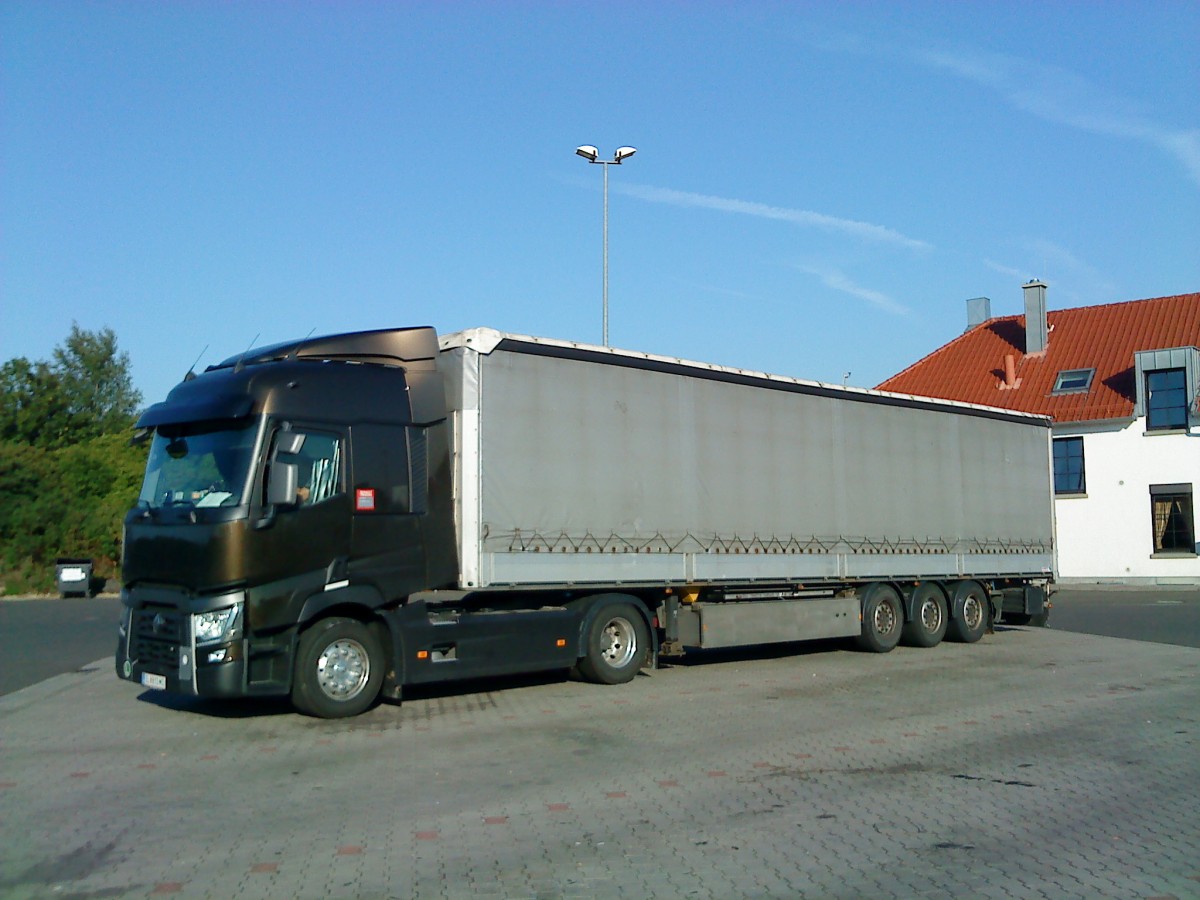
928, 624
970, 619
339, 669
882, 619
616, 645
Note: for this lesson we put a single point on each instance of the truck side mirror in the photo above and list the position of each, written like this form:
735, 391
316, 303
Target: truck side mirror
282, 484
289, 442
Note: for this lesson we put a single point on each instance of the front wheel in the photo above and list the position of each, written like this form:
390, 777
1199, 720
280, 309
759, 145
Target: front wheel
616, 646
339, 669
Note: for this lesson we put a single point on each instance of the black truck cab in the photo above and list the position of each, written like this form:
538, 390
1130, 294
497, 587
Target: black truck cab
300, 481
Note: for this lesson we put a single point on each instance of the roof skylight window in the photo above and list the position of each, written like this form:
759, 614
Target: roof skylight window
1073, 381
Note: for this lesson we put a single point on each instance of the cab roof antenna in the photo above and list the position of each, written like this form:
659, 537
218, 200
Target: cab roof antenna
191, 372
295, 351
241, 363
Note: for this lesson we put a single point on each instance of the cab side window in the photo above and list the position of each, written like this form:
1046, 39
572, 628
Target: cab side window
319, 467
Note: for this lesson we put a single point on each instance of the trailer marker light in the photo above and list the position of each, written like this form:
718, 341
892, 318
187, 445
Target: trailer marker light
561, 642
422, 654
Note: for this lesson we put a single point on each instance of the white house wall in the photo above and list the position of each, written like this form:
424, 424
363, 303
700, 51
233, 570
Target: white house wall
1106, 535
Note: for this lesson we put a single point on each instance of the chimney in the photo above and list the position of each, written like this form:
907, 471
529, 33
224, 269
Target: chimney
979, 310
1011, 382
1035, 317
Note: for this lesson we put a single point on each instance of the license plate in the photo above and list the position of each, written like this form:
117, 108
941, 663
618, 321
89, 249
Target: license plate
154, 682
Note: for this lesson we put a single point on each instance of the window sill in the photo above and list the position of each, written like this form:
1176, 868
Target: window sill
1161, 431
1070, 495
1173, 554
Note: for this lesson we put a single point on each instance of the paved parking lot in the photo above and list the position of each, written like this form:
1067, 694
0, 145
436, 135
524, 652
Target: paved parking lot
1036, 763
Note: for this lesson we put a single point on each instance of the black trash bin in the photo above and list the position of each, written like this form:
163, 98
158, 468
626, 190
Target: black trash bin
74, 577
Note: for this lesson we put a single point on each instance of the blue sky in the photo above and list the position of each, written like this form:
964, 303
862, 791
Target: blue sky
818, 187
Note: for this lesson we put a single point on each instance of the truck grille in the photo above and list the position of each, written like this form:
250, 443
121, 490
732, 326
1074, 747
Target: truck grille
157, 631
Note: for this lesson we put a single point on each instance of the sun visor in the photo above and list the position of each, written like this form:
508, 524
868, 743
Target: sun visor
196, 409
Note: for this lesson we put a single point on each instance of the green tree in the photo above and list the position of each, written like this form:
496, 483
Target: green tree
67, 471
96, 381
34, 410
85, 391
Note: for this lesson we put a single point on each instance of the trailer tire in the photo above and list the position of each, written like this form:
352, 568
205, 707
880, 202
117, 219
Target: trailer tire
339, 669
882, 618
929, 616
969, 620
616, 646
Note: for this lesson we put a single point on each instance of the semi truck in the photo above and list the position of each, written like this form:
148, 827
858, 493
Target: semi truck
337, 518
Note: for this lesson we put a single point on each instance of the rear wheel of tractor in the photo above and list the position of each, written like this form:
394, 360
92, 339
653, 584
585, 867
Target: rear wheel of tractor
882, 619
616, 646
339, 669
928, 625
971, 604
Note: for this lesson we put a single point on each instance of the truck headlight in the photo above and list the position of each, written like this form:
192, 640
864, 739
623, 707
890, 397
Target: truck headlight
215, 626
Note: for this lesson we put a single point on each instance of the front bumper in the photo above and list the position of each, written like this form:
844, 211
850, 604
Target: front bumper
157, 647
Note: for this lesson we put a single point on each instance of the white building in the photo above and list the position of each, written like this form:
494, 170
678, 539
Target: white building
1122, 384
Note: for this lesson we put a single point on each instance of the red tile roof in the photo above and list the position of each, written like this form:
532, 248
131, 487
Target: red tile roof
971, 367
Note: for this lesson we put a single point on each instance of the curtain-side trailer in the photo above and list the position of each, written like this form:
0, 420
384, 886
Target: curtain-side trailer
339, 517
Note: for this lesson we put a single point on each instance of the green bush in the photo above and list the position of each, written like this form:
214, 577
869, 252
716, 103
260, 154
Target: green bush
67, 471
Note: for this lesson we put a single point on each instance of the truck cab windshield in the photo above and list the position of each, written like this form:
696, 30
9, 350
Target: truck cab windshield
199, 466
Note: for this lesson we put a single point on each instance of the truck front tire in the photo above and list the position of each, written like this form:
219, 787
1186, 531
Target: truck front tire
339, 669
616, 645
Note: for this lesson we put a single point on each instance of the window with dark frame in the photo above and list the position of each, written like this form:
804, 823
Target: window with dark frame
1173, 521
1166, 400
1069, 477
319, 462
1073, 381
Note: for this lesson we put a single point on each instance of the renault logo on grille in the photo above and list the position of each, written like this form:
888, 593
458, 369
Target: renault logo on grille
158, 623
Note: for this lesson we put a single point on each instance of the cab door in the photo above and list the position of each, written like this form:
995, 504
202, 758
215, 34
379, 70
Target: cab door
389, 484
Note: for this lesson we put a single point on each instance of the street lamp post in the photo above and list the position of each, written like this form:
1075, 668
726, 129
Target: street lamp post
592, 155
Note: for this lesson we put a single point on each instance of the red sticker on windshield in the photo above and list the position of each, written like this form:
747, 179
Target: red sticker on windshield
364, 499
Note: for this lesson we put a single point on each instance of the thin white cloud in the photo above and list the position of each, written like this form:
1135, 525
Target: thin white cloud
839, 281
861, 230
1005, 270
1058, 262
714, 289
1061, 96
1073, 280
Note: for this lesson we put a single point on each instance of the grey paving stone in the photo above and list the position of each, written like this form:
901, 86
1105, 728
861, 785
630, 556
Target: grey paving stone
1033, 764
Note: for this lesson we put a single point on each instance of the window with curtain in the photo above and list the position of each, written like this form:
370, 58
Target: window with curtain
1173, 522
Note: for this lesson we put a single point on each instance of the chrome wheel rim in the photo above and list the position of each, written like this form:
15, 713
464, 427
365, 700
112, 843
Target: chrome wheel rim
931, 615
885, 618
618, 642
972, 611
343, 669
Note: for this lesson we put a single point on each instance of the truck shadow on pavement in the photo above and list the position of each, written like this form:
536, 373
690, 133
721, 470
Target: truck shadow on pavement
757, 653
267, 707
236, 708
